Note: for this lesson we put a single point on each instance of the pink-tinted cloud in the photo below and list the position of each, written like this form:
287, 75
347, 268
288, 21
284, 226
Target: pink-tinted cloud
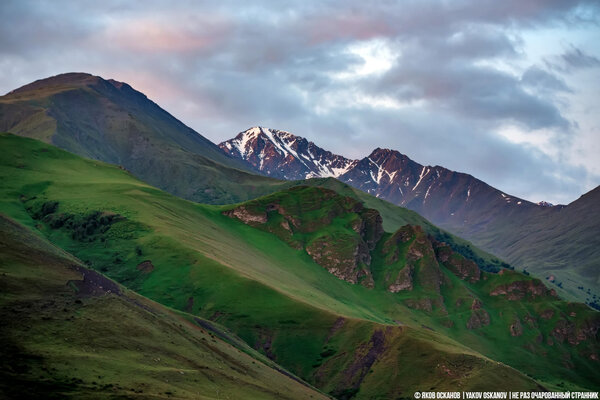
154, 35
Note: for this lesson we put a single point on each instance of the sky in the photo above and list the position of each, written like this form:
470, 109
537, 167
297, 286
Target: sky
506, 91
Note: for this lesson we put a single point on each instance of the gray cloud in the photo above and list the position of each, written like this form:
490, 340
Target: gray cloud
576, 58
573, 58
544, 81
451, 82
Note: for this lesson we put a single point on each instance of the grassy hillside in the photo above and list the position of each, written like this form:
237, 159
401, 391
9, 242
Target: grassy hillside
68, 332
559, 243
110, 121
395, 217
486, 333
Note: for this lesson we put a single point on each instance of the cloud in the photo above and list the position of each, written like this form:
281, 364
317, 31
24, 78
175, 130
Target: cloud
539, 79
575, 58
198, 35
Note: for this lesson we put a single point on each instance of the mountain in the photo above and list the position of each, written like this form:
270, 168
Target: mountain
445, 197
562, 244
551, 241
311, 278
69, 332
110, 121
282, 155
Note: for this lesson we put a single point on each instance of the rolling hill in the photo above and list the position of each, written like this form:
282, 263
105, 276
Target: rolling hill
69, 332
409, 313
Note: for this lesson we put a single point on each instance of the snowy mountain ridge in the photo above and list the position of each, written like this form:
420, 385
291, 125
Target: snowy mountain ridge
446, 197
283, 155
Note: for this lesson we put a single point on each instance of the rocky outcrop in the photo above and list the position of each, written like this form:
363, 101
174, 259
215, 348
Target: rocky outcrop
476, 305
465, 269
518, 290
342, 258
530, 321
410, 255
479, 318
404, 280
247, 216
421, 304
516, 329
145, 267
302, 217
568, 331
349, 256
427, 304
547, 314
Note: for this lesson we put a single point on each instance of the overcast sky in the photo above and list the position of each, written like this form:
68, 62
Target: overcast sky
504, 90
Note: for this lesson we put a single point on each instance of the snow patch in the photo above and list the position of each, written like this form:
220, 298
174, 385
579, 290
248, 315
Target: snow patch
427, 193
423, 173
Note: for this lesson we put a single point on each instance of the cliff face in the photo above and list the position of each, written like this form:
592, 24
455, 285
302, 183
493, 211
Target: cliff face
348, 240
337, 232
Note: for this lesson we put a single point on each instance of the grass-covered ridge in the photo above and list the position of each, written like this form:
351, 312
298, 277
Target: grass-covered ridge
194, 258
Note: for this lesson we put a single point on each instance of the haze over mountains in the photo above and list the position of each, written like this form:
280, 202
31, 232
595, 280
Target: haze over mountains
532, 236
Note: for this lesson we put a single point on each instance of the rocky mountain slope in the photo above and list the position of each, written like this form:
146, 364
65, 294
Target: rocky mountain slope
112, 122
282, 155
402, 312
458, 202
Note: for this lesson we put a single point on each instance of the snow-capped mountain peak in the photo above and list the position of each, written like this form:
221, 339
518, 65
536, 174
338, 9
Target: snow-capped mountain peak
283, 155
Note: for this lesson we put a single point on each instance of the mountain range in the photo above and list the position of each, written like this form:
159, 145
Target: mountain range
121, 289
535, 237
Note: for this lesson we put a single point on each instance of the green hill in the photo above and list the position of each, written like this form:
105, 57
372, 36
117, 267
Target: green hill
69, 332
110, 121
410, 314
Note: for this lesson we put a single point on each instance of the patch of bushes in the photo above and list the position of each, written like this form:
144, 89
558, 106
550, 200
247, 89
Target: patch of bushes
83, 228
494, 265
